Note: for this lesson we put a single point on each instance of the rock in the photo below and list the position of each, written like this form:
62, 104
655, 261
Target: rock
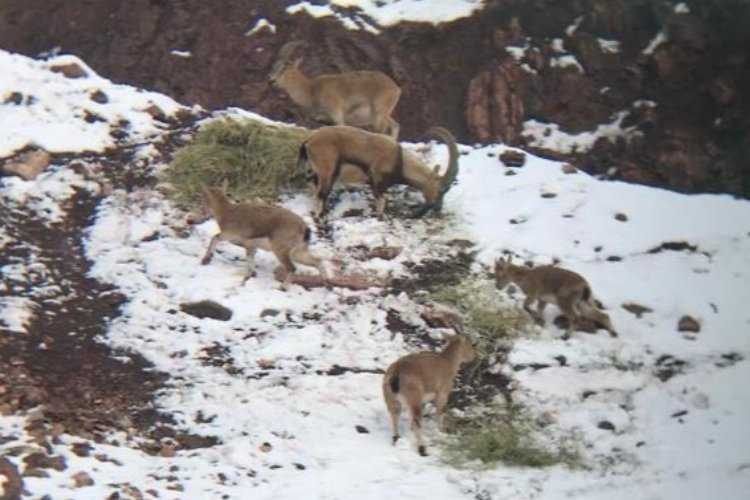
384, 252
28, 165
207, 309
511, 158
549, 195
82, 479
99, 97
168, 450
41, 460
264, 363
269, 313
82, 449
265, 447
494, 105
11, 483
636, 309
688, 324
34, 472
156, 112
14, 98
567, 168
69, 70
621, 217
361, 429
606, 425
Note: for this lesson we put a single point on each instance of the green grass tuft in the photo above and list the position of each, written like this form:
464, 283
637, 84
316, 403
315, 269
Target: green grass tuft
257, 160
503, 435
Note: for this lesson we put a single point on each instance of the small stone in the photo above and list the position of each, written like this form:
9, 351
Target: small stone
156, 112
512, 158
14, 98
168, 450
82, 479
99, 97
384, 252
614, 258
567, 168
688, 324
265, 447
606, 425
269, 313
549, 195
636, 309
265, 364
28, 165
69, 70
621, 217
82, 449
361, 429
42, 461
299, 466
207, 309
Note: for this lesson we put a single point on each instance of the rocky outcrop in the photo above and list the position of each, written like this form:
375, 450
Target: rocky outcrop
696, 70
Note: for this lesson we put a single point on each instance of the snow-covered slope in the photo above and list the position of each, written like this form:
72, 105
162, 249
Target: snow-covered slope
262, 382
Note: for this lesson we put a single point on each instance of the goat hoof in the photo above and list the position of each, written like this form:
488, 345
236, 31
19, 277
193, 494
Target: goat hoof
205, 261
395, 439
613, 334
422, 451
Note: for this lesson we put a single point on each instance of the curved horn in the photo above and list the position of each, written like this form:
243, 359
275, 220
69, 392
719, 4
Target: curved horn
283, 56
449, 178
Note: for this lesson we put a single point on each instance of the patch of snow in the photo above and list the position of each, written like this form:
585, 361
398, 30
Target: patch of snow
659, 39
681, 8
54, 108
609, 46
261, 24
571, 29
566, 61
182, 53
16, 313
549, 135
644, 103
518, 53
558, 46
391, 12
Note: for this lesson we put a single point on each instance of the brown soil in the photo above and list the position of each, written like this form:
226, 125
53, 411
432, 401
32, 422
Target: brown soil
458, 74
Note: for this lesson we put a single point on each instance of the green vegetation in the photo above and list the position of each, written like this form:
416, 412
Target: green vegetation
257, 160
503, 435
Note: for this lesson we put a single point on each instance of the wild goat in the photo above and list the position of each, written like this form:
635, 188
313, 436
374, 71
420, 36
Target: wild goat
328, 150
421, 377
358, 98
256, 224
568, 290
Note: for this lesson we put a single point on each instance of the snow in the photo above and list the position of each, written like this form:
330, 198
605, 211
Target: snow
549, 135
185, 54
518, 53
571, 29
260, 25
681, 8
16, 313
609, 46
53, 114
390, 12
659, 39
566, 61
309, 417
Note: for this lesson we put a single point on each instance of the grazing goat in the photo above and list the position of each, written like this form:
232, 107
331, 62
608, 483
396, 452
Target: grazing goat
568, 290
424, 376
256, 225
359, 98
331, 150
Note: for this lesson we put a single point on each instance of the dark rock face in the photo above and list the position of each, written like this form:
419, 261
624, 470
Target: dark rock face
459, 74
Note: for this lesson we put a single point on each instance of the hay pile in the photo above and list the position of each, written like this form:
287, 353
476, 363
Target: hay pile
257, 160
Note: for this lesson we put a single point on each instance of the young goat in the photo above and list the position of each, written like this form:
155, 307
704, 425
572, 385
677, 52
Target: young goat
259, 225
421, 377
333, 152
358, 98
568, 290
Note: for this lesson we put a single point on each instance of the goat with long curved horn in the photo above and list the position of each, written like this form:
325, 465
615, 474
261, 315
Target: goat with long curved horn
328, 150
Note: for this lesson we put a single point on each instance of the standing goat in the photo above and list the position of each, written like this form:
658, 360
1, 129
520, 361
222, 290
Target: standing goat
359, 98
568, 290
421, 377
256, 225
381, 159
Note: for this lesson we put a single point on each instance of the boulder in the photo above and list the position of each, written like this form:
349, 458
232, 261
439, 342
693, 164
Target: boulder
28, 165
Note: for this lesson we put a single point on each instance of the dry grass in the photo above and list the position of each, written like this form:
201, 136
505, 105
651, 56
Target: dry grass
257, 160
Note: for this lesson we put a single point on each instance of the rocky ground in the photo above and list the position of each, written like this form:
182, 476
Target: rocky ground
677, 70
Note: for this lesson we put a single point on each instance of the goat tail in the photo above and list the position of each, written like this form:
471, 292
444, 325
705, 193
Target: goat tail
395, 383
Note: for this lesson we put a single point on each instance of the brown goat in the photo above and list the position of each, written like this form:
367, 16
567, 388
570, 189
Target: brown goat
260, 225
331, 150
421, 377
359, 98
550, 284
